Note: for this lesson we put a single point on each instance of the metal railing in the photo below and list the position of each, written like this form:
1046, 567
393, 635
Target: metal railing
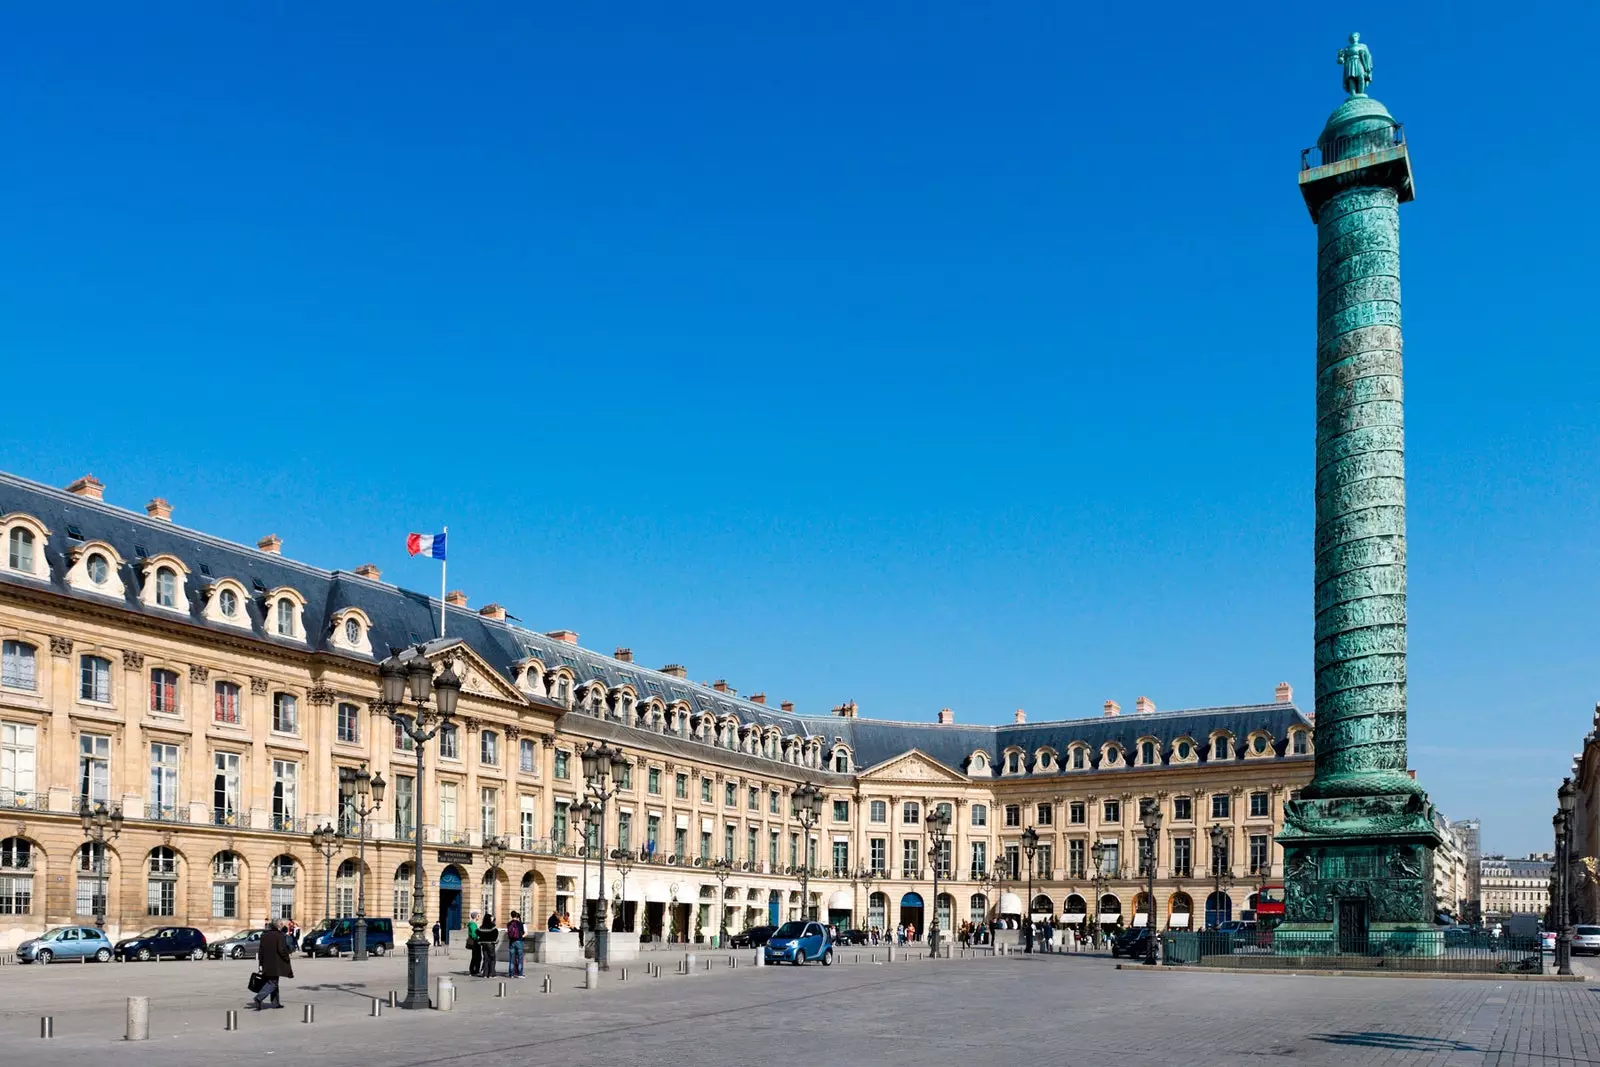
1357, 144
24, 801
287, 824
155, 811
220, 817
1426, 950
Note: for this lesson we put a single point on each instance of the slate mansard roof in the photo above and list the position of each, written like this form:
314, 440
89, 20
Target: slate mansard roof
401, 617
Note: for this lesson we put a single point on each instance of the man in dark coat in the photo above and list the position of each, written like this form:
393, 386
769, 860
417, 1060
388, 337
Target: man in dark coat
275, 964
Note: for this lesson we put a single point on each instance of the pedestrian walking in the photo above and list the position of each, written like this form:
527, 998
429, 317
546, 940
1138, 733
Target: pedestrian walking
488, 937
274, 964
515, 949
472, 945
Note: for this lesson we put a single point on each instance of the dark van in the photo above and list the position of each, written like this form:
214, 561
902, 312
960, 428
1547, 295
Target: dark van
331, 937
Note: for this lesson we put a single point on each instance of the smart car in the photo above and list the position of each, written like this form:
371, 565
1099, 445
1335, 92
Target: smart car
66, 943
799, 942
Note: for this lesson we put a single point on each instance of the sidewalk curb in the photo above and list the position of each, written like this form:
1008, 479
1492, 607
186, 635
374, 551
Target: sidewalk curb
1374, 973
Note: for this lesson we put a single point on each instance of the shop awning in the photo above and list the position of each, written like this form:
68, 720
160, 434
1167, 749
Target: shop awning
1110, 916
1179, 919
1010, 904
841, 900
1141, 918
1074, 916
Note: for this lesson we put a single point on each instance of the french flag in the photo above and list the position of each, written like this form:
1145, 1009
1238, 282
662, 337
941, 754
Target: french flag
431, 545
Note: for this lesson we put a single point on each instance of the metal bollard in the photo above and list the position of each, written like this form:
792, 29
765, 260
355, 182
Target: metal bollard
546, 984
591, 975
377, 1008
230, 1020
138, 1019
760, 952
47, 1026
688, 963
308, 1013
394, 998
444, 994
623, 971
500, 990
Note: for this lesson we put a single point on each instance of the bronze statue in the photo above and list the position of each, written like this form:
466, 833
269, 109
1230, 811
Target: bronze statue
1356, 59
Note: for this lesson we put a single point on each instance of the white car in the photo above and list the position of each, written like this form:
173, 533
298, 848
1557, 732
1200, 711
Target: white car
1586, 939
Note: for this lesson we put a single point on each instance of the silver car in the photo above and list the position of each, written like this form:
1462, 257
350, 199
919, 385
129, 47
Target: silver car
1586, 939
242, 945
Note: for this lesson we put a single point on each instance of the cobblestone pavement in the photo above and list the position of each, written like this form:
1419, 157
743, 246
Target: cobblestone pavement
1062, 1009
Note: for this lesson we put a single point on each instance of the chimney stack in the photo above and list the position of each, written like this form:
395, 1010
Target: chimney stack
1285, 693
721, 685
1020, 716
847, 710
758, 698
456, 598
623, 654
566, 636
369, 570
89, 487
1144, 706
493, 611
159, 509
1112, 709
946, 717
787, 705
675, 670
271, 544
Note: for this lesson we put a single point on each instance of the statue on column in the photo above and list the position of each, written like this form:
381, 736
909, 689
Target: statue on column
1357, 62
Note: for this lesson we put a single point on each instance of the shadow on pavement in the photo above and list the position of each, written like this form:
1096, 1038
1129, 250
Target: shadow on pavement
1402, 1042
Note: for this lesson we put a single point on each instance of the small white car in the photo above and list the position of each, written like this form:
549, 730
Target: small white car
1586, 939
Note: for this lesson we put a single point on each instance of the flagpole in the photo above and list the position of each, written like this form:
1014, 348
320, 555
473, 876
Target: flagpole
443, 584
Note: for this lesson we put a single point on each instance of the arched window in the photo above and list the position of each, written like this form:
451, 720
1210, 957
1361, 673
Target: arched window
1219, 909
161, 896
1298, 744
1147, 752
98, 568
877, 910
404, 876
94, 872
167, 587
228, 603
352, 631
19, 667
978, 909
285, 615
16, 876
527, 897
1013, 763
1080, 758
841, 761
225, 885
284, 874
344, 888
490, 884
20, 550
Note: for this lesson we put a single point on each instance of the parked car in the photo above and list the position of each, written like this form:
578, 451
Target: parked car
1133, 943
66, 943
799, 942
158, 941
1585, 939
237, 946
754, 937
854, 937
333, 936
1547, 940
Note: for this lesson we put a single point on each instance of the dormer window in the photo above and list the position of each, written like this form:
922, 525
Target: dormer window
1080, 758
166, 587
1297, 743
1147, 752
1258, 744
285, 606
99, 568
285, 616
1185, 750
1013, 763
841, 761
352, 631
25, 537
1113, 755
979, 763
20, 550
228, 603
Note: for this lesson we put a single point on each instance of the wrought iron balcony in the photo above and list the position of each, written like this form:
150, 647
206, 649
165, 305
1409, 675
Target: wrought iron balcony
158, 812
287, 824
1358, 144
24, 801
222, 817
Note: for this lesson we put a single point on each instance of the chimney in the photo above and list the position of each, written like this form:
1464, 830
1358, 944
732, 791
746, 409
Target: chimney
1020, 716
624, 654
946, 717
159, 509
456, 598
758, 698
675, 670
1284, 693
787, 705
493, 611
271, 544
1144, 706
566, 636
720, 685
369, 570
1112, 708
89, 487
847, 710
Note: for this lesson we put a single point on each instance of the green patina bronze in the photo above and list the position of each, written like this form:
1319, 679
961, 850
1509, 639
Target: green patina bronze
1358, 843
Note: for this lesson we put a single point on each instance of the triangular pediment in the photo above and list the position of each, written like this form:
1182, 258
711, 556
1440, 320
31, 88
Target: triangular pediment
478, 677
913, 766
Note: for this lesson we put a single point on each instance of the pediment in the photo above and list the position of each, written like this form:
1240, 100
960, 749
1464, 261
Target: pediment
478, 678
913, 766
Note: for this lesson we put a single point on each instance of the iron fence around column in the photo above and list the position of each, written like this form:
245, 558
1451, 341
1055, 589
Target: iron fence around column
1448, 951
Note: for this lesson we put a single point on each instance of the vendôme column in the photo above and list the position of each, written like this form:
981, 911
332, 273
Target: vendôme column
1359, 842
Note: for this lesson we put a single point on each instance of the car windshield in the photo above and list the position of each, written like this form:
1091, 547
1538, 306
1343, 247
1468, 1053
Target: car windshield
791, 929
153, 931
324, 925
52, 935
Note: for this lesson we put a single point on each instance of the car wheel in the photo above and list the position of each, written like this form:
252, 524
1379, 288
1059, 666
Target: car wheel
143, 955
238, 952
827, 958
198, 954
44, 955
103, 956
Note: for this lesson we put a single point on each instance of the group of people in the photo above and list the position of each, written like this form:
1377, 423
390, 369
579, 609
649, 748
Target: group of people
482, 939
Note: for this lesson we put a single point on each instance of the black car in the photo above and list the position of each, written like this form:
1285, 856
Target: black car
853, 937
1133, 944
178, 942
754, 937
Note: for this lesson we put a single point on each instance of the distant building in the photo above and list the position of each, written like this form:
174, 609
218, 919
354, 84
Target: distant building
1586, 829
1469, 835
1450, 867
1515, 886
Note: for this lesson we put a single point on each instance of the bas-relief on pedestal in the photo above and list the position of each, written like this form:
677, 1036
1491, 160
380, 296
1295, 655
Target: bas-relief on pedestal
1359, 842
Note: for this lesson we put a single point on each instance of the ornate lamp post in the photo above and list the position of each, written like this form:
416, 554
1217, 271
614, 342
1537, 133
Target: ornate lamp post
328, 842
623, 858
494, 854
994, 884
866, 876
805, 804
96, 822
1566, 813
1151, 818
722, 868
1097, 852
419, 724
582, 815
1030, 845
603, 768
938, 824
1220, 871
361, 794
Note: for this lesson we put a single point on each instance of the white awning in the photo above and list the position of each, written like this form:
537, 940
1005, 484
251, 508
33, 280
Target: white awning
656, 892
841, 900
1178, 919
1141, 918
683, 821
706, 826
1110, 916
1074, 917
1010, 904
841, 837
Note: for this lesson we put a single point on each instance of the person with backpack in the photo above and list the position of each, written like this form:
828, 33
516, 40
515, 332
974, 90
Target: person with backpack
515, 949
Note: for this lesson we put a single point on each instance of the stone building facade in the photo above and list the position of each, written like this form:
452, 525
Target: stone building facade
1515, 886
215, 694
1585, 869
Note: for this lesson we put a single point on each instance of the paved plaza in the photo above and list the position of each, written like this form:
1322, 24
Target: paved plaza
1059, 1009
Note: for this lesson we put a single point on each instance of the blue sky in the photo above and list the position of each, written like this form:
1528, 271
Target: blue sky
920, 354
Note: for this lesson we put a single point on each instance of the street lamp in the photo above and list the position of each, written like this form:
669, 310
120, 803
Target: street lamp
582, 813
938, 823
866, 876
96, 821
603, 768
805, 804
328, 842
1151, 818
1219, 860
494, 854
395, 675
623, 858
722, 868
1566, 814
1030, 845
1097, 852
361, 794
